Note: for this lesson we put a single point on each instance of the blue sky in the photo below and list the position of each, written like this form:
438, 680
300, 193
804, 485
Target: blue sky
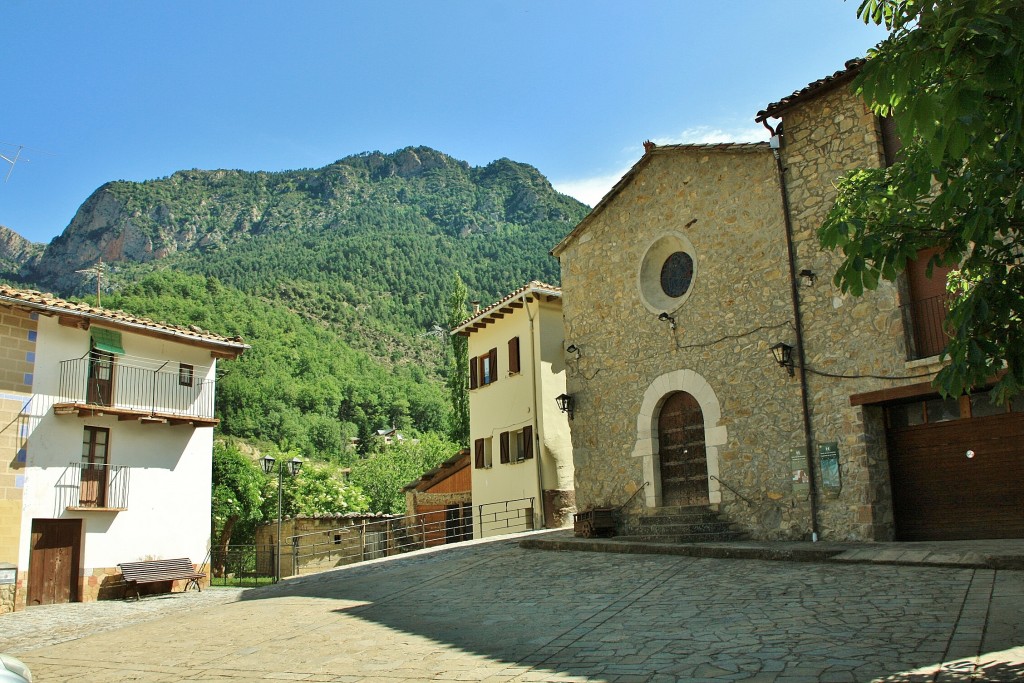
118, 90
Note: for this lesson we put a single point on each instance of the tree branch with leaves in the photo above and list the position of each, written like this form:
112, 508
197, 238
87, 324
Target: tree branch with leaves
951, 74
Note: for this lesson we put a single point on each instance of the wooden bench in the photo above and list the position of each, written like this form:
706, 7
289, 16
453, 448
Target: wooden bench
152, 571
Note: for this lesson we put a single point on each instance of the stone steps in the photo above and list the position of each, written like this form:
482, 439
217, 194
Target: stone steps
679, 525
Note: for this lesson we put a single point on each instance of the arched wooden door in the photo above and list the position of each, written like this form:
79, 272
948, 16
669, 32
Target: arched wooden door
681, 451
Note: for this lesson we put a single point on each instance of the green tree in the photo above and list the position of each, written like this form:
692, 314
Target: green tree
382, 475
458, 363
320, 489
951, 73
237, 495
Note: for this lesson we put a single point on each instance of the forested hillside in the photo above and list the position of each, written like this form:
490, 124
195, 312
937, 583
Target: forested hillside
335, 276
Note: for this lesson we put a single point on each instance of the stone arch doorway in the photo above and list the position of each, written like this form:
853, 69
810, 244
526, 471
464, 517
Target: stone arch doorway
682, 456
647, 444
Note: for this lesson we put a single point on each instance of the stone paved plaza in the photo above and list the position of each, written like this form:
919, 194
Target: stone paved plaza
497, 612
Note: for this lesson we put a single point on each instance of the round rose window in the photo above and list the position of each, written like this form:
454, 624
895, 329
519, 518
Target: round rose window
676, 274
667, 272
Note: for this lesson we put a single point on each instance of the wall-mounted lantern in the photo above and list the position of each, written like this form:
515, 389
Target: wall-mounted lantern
783, 353
573, 350
807, 277
565, 403
666, 318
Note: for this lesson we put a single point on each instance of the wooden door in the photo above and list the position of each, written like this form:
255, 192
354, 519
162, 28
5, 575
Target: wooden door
928, 304
939, 493
53, 561
93, 490
681, 451
101, 378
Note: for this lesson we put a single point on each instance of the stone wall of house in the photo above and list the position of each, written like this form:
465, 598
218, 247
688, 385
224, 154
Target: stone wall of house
851, 336
726, 202
17, 350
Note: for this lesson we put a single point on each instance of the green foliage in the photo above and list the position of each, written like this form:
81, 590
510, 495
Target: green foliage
458, 364
300, 384
237, 491
382, 475
319, 489
952, 76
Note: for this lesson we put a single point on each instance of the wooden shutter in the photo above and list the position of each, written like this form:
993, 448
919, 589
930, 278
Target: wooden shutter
478, 447
494, 364
527, 443
513, 354
472, 373
503, 438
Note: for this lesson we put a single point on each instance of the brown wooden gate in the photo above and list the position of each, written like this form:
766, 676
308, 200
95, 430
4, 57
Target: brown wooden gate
681, 452
53, 561
941, 494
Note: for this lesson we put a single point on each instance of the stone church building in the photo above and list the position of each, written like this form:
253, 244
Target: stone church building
687, 279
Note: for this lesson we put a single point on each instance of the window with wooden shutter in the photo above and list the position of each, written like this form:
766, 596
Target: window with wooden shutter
494, 364
513, 355
478, 459
472, 373
504, 448
527, 443
485, 370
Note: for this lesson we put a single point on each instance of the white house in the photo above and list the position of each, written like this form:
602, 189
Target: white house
522, 475
107, 435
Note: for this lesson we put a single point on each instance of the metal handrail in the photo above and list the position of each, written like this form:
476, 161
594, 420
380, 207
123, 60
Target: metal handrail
735, 492
158, 391
513, 517
111, 486
630, 499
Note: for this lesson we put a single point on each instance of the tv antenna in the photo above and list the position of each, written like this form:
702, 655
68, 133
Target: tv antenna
14, 157
97, 272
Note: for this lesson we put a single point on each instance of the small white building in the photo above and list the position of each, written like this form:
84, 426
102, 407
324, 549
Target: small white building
106, 439
522, 474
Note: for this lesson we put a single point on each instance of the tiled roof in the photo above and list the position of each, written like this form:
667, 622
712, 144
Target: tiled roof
49, 304
826, 83
534, 286
650, 150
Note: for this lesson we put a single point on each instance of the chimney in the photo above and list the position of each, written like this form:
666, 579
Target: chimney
648, 146
476, 307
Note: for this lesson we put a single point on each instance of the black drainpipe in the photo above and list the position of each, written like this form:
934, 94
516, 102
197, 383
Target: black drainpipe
794, 290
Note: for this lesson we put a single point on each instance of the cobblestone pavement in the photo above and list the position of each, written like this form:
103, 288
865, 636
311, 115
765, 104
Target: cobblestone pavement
498, 612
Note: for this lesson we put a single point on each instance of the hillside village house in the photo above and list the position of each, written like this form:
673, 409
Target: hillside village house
519, 440
106, 445
698, 267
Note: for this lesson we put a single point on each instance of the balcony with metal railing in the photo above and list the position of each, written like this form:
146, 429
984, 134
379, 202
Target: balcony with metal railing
93, 486
167, 393
925, 324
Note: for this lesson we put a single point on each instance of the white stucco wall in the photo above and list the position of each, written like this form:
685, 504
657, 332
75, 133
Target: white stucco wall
168, 509
520, 400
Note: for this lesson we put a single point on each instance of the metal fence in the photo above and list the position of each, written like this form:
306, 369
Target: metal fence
167, 390
505, 517
242, 564
372, 539
367, 539
93, 485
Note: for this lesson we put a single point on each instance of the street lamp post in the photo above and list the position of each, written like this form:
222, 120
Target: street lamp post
293, 467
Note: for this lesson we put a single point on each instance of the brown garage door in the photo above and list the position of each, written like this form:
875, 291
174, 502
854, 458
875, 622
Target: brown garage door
939, 493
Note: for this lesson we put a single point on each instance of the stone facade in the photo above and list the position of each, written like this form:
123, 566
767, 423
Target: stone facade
18, 331
723, 205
